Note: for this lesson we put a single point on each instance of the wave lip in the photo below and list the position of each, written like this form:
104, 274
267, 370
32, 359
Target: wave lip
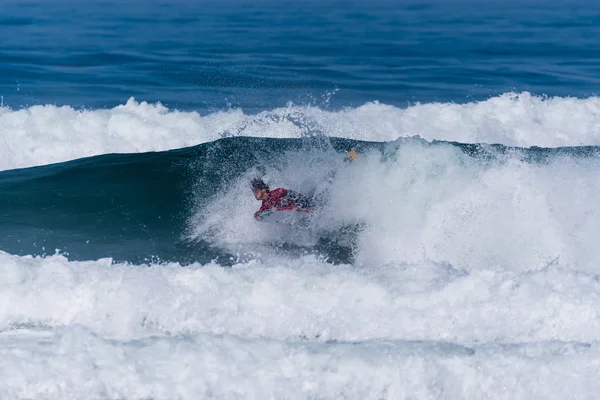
46, 134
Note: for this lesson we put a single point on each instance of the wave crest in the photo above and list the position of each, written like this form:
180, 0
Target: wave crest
45, 134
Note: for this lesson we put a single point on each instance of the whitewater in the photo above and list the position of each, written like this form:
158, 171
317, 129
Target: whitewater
44, 134
471, 276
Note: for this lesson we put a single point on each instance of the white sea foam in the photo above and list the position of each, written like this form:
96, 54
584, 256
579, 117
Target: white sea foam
296, 299
74, 363
422, 202
294, 329
40, 135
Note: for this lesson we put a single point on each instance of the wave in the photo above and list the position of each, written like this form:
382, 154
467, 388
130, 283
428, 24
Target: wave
401, 202
45, 134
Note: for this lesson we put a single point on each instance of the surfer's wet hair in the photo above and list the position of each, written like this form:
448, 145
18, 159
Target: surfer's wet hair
258, 183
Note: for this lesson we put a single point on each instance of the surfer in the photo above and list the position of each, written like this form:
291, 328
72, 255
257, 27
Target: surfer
281, 198
278, 198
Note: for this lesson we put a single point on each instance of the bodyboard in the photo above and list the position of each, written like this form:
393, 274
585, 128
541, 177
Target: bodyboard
288, 216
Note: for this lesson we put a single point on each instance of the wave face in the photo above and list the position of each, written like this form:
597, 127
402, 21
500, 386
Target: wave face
401, 202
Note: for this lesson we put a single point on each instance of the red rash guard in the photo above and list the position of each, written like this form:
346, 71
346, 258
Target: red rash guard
277, 200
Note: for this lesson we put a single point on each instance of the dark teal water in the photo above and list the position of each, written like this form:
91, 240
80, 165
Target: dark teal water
135, 207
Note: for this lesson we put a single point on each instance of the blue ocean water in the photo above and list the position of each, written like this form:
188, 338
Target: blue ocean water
206, 55
456, 257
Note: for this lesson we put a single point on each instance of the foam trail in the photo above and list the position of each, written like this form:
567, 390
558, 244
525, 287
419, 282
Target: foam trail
41, 135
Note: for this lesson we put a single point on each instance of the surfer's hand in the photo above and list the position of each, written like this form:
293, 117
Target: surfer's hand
352, 154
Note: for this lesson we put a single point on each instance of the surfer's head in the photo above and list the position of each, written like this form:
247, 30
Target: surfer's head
260, 189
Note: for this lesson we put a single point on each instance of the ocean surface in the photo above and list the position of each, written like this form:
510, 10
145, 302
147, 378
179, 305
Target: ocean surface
456, 258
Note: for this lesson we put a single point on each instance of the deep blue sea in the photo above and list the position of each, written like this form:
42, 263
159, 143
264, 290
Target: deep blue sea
211, 55
456, 257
